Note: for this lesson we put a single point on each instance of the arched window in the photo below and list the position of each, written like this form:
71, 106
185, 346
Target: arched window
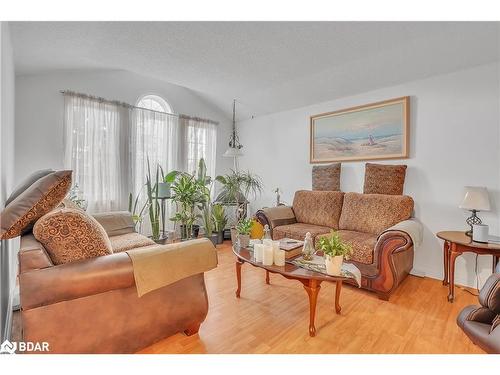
153, 137
155, 103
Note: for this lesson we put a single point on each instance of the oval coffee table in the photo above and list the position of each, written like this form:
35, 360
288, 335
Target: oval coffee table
311, 280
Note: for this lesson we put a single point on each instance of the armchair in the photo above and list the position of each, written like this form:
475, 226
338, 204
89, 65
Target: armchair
482, 323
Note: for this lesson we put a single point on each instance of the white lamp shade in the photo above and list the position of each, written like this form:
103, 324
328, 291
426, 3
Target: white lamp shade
476, 198
232, 152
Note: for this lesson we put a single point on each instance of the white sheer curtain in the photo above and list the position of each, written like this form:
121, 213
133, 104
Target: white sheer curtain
107, 145
154, 136
93, 150
200, 141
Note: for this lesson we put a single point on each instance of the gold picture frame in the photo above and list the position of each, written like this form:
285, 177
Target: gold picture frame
376, 131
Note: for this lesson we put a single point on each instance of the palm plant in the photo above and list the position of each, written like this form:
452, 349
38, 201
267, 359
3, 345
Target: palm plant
237, 188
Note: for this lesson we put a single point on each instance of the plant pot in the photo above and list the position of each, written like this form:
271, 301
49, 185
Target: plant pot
195, 231
333, 264
213, 237
220, 237
244, 240
234, 235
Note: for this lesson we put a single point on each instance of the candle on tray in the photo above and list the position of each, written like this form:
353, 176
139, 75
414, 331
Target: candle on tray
268, 257
258, 252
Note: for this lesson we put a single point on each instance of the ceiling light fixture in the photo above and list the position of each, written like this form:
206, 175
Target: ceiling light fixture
235, 146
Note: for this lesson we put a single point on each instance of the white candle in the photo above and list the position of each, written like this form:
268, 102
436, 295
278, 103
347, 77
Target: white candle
258, 252
276, 248
267, 242
268, 257
279, 257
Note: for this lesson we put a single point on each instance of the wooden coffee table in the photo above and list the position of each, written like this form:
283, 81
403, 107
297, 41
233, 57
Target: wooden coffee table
311, 280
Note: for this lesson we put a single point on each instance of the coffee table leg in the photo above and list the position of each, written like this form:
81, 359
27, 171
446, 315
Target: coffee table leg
238, 277
312, 288
338, 289
267, 277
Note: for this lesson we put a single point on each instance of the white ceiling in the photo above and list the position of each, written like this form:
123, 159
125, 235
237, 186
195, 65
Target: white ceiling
267, 67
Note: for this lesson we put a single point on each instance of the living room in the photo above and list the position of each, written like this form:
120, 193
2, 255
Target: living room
263, 187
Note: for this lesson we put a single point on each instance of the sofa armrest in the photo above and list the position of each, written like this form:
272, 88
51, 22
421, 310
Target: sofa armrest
116, 223
412, 227
276, 216
75, 280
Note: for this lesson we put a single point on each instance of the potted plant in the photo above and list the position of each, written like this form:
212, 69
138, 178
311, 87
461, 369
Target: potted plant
186, 195
220, 221
244, 226
334, 251
237, 187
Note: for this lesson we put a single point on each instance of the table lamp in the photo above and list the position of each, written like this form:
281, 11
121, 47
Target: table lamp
475, 199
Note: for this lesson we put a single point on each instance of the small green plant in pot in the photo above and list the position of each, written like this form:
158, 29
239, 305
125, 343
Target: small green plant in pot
334, 250
220, 221
244, 226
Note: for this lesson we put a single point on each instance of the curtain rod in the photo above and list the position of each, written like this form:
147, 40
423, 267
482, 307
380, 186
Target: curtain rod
127, 105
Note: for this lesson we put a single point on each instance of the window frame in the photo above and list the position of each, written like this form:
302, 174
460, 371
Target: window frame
159, 99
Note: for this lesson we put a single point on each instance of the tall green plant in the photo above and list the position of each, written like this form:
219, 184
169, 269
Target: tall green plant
153, 201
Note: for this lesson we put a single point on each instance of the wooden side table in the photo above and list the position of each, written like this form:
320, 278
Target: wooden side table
456, 243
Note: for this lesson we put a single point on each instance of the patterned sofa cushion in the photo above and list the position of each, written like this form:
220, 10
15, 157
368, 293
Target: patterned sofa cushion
41, 197
384, 179
69, 235
363, 244
298, 231
326, 177
128, 241
321, 208
373, 213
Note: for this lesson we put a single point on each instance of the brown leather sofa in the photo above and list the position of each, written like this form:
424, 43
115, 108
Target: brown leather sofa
92, 305
482, 323
384, 255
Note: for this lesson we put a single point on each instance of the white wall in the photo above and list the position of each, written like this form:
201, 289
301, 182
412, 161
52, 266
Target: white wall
455, 141
7, 115
39, 111
8, 248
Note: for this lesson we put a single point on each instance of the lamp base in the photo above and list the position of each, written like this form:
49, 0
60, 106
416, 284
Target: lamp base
472, 220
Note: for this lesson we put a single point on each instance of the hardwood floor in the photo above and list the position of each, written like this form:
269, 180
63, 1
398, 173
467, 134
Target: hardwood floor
274, 318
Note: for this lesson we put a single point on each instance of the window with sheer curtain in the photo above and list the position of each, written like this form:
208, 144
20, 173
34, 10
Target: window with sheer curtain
108, 146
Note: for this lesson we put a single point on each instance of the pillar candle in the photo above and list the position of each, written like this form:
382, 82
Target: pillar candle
279, 257
258, 252
276, 247
267, 242
268, 257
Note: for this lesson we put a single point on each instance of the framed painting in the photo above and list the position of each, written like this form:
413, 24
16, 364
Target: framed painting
368, 132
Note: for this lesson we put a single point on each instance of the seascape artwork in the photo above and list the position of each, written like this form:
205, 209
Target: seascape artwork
375, 131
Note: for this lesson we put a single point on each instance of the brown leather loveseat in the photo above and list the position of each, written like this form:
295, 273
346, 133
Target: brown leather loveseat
92, 305
370, 223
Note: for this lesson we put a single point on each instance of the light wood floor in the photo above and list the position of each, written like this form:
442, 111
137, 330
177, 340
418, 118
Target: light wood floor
274, 318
